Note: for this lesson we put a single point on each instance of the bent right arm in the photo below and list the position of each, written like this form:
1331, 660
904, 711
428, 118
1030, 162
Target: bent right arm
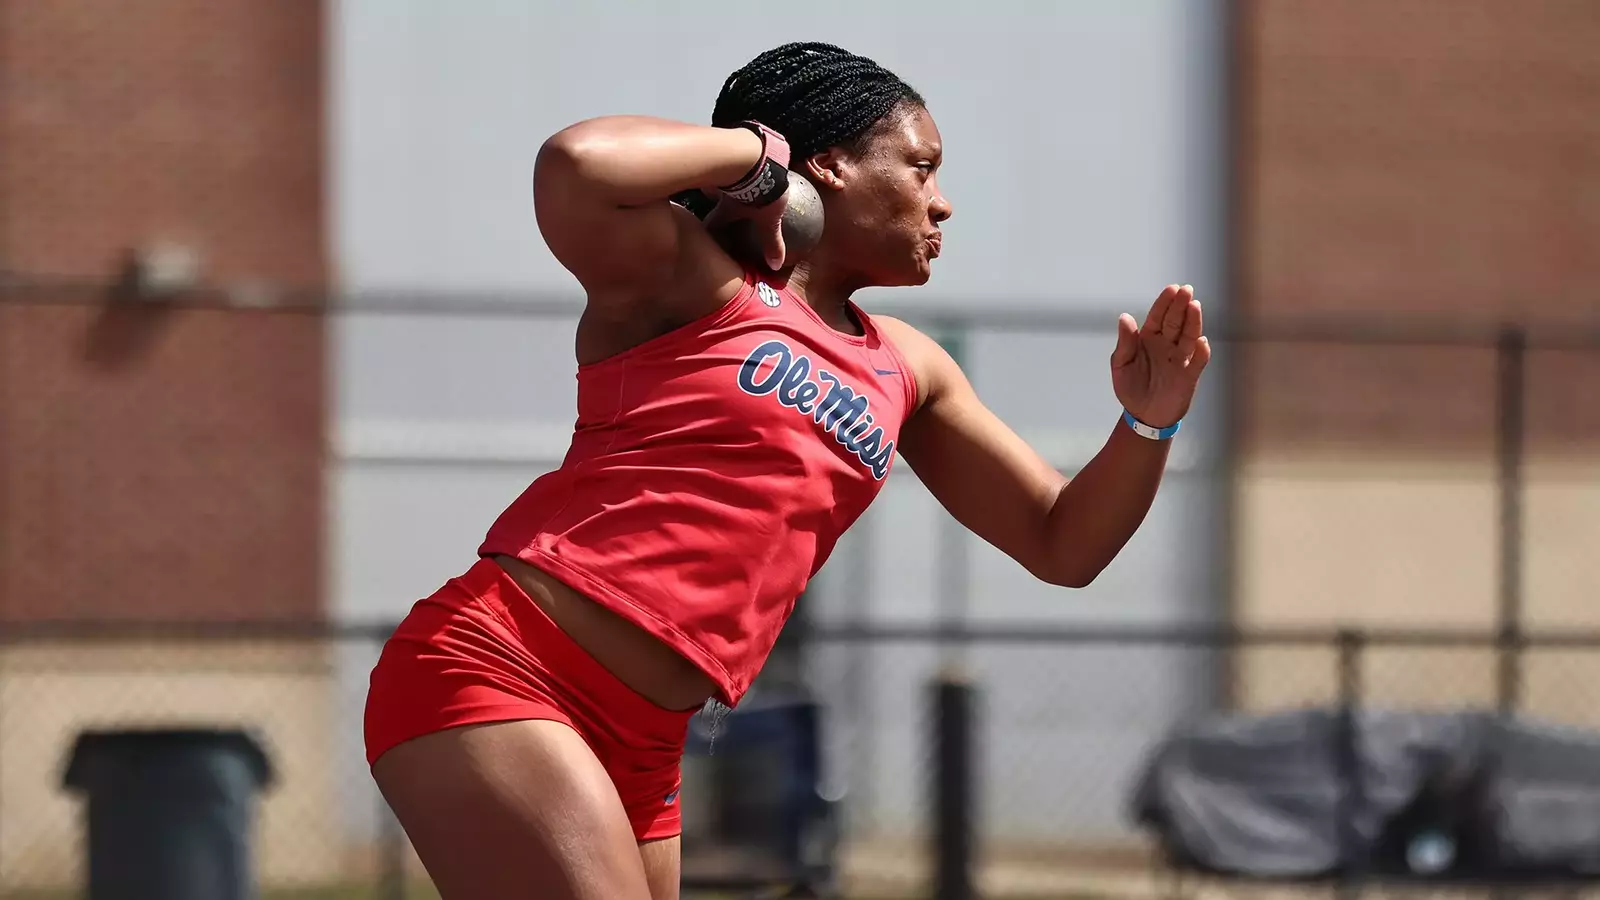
600, 192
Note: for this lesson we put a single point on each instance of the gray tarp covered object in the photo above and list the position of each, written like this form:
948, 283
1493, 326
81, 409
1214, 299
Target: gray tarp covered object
1429, 794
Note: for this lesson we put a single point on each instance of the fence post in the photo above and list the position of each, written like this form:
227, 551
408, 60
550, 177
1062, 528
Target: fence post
1351, 643
1511, 358
954, 728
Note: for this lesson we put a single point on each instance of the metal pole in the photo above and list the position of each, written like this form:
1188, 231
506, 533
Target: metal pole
1237, 291
952, 700
954, 736
1511, 370
1511, 361
1348, 761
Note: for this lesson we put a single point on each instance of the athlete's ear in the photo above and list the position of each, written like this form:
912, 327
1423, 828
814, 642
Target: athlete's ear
828, 169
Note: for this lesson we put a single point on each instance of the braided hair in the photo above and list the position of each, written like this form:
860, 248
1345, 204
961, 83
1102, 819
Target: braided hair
816, 95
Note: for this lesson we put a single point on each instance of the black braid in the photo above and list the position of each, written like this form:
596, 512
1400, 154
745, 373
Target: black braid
816, 95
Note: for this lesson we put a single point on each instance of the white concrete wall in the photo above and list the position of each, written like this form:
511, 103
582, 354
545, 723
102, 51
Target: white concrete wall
1084, 159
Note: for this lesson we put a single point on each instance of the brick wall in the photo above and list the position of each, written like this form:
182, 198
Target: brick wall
157, 462
1423, 156
1436, 164
1425, 160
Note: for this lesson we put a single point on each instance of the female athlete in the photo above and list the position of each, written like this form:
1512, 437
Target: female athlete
527, 721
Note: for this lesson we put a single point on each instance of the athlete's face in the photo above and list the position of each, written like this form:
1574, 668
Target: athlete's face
885, 208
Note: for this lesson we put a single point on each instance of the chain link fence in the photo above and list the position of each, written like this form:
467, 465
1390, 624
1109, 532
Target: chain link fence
1045, 695
1067, 718
165, 538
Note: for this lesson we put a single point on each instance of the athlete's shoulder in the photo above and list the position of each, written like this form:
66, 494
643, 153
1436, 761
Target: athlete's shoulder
898, 330
930, 365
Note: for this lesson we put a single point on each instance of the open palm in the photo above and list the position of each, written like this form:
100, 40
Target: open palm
1155, 368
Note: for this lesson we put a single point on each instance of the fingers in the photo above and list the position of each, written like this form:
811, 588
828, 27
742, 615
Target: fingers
776, 253
1190, 333
1176, 319
1158, 310
1177, 310
1202, 355
1127, 348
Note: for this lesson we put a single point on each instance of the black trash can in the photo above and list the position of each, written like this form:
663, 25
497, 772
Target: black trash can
170, 812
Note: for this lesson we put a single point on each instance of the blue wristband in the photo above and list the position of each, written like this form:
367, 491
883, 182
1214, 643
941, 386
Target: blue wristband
1150, 431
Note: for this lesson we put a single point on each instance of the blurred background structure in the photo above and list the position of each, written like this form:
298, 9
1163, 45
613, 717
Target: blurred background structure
279, 337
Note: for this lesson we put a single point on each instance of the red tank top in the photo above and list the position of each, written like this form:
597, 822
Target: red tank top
711, 472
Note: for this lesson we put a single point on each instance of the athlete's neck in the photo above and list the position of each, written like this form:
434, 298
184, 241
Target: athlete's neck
828, 290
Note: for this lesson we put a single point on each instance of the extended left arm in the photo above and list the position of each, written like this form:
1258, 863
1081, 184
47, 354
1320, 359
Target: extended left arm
1063, 532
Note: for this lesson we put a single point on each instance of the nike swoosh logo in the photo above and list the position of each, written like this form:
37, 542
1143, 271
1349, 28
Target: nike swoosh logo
886, 371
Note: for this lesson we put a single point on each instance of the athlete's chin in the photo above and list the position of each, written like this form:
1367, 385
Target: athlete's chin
909, 278
913, 272
917, 273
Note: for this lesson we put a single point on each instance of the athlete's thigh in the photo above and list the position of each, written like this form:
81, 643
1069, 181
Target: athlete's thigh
513, 809
662, 867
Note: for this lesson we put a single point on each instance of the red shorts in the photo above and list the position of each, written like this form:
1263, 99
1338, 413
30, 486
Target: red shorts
479, 650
